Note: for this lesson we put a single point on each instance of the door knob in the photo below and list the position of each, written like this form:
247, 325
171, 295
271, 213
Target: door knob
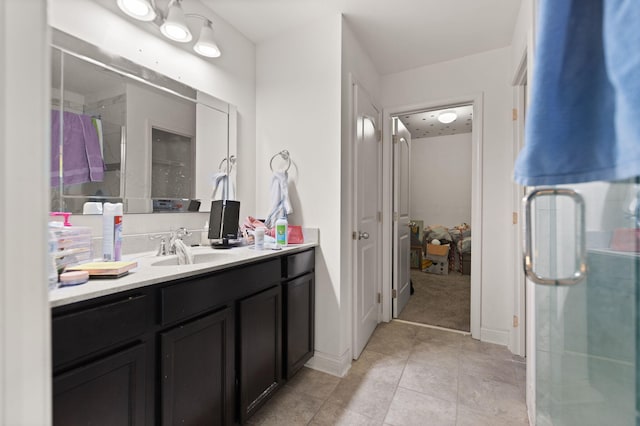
363, 235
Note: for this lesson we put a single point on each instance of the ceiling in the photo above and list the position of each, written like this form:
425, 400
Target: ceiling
426, 125
397, 34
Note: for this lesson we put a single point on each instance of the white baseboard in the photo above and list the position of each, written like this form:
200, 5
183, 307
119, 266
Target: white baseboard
331, 364
499, 337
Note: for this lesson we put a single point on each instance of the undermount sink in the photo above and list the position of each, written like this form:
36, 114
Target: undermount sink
197, 258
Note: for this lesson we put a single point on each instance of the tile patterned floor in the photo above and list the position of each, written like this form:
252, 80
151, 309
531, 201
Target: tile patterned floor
408, 375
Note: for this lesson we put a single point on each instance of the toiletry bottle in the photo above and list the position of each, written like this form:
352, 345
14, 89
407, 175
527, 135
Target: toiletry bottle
281, 232
112, 231
258, 237
204, 235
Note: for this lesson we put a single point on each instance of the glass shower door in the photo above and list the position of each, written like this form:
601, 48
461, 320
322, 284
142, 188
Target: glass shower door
584, 256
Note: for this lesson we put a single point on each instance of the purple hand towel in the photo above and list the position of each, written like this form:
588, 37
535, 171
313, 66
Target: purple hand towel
81, 154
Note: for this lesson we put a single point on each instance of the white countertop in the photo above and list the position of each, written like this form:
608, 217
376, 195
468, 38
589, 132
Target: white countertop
148, 274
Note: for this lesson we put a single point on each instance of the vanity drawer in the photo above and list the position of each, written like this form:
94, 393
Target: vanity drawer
83, 332
186, 299
298, 264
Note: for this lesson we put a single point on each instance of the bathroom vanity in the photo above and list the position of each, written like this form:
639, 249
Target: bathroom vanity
204, 344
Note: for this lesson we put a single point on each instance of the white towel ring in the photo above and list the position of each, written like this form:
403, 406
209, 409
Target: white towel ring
285, 156
231, 160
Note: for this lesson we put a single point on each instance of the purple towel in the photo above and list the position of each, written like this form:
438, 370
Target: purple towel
82, 157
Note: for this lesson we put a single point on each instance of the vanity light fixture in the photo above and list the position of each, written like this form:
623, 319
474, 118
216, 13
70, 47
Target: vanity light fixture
206, 45
141, 10
447, 117
173, 24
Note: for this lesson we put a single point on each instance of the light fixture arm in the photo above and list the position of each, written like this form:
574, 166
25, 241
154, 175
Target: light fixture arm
172, 23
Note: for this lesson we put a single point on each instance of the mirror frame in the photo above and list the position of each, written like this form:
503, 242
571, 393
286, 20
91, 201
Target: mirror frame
78, 48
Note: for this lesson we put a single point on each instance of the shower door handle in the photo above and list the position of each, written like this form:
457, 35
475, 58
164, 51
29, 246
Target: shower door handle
580, 271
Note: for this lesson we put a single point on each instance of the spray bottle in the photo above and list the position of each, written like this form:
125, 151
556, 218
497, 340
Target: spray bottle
112, 231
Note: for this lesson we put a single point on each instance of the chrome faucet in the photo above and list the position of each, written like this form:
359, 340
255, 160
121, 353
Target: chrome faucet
169, 247
162, 248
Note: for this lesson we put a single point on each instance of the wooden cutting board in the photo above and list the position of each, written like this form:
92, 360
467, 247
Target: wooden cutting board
105, 269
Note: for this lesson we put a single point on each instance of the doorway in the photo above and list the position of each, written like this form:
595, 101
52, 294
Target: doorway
440, 217
473, 267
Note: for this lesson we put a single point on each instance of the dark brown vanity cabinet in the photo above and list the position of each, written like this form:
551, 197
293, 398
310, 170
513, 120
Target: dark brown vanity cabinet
108, 391
100, 362
298, 290
259, 349
204, 350
197, 371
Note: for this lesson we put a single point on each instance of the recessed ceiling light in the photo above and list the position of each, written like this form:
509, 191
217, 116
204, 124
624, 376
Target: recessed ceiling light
447, 117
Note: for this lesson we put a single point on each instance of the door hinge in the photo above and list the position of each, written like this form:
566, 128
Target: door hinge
394, 138
379, 135
514, 114
379, 216
379, 298
515, 218
516, 322
396, 216
394, 294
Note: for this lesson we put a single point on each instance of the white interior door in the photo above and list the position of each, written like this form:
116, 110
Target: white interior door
367, 157
401, 206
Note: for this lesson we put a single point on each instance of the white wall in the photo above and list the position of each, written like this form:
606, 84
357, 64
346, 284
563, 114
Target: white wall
230, 77
25, 342
485, 73
441, 180
298, 109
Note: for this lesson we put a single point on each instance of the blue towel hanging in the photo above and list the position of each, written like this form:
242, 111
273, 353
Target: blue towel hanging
583, 121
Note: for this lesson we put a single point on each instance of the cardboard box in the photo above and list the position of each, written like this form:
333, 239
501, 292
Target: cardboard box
439, 265
438, 250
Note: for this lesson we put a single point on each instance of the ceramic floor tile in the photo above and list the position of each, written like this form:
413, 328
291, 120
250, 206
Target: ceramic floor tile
486, 366
365, 396
468, 344
374, 365
441, 337
409, 375
313, 383
334, 414
410, 408
428, 353
393, 339
287, 408
431, 380
469, 417
491, 397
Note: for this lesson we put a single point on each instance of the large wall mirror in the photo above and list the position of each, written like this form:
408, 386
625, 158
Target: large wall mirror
123, 133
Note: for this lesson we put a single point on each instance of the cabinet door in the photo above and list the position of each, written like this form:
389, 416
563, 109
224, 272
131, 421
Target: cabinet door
260, 349
197, 363
110, 391
299, 313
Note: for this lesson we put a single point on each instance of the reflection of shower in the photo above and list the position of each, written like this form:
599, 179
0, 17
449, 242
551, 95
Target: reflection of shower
172, 165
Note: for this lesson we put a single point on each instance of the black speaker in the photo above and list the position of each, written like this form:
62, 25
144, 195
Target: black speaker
223, 222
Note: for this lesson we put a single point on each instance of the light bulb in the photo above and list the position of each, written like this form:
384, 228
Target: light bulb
138, 9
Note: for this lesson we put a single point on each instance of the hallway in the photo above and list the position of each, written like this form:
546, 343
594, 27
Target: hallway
409, 375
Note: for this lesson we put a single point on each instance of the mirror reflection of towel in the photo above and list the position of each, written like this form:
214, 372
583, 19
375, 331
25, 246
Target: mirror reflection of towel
223, 187
81, 153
